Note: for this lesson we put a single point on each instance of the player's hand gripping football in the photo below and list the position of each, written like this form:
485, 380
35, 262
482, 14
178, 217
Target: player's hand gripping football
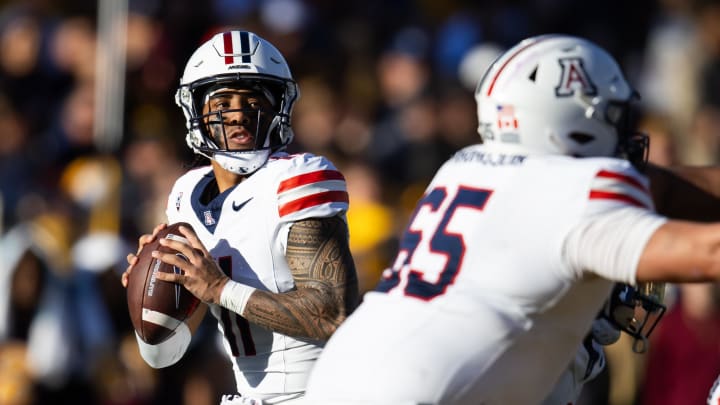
201, 274
132, 259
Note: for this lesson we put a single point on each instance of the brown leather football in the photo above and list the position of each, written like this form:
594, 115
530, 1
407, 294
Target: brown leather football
157, 307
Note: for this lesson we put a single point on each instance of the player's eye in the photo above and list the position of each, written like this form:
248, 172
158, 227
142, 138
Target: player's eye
221, 105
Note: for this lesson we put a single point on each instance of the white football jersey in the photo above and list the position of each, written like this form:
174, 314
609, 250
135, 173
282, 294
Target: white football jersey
502, 269
245, 229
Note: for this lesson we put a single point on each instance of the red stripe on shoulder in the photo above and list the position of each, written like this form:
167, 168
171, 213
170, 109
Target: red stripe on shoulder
309, 178
313, 200
622, 177
606, 195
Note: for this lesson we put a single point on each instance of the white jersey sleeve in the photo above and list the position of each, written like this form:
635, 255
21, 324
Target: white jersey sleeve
610, 237
181, 191
310, 187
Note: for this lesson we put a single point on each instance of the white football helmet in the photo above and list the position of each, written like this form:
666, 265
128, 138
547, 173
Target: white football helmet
237, 59
557, 94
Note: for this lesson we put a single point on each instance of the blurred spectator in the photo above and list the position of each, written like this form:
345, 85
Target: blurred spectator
456, 36
475, 62
663, 148
678, 66
371, 222
707, 122
316, 116
72, 48
457, 119
15, 379
16, 172
36, 307
403, 140
150, 166
684, 356
70, 133
28, 74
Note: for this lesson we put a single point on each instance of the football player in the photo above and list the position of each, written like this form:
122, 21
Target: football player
682, 192
269, 252
516, 244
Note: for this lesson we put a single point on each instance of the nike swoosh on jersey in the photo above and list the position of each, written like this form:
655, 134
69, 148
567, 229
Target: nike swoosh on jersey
238, 207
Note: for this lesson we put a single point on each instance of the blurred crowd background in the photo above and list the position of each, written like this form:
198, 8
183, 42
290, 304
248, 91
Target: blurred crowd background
91, 142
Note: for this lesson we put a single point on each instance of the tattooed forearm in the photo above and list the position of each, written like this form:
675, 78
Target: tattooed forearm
326, 281
303, 313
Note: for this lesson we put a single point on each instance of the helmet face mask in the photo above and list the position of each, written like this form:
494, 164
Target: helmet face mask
636, 310
231, 109
632, 145
217, 127
556, 94
237, 60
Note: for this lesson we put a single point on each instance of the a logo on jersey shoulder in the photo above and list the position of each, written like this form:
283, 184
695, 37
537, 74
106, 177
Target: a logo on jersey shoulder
177, 201
209, 220
238, 207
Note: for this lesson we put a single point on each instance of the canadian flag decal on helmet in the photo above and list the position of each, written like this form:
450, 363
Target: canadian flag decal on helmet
574, 77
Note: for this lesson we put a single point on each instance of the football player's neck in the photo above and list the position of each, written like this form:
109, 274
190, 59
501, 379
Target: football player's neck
225, 178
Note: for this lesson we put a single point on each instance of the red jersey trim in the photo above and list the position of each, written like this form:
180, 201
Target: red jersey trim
309, 178
313, 200
624, 178
606, 195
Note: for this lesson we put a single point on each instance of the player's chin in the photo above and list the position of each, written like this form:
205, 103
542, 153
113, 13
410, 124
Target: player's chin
240, 146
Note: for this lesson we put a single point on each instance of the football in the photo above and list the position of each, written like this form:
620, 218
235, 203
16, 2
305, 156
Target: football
157, 307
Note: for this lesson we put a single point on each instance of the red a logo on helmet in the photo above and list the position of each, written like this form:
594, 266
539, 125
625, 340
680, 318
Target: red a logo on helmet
574, 77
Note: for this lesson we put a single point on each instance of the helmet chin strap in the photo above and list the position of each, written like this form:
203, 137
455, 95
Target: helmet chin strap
242, 162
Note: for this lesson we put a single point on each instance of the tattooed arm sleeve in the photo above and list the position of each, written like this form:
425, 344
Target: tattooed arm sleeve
326, 281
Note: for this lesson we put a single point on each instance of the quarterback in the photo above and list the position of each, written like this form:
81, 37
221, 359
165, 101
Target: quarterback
269, 252
516, 244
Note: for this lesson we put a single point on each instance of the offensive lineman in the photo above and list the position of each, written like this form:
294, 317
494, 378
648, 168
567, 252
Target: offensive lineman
515, 244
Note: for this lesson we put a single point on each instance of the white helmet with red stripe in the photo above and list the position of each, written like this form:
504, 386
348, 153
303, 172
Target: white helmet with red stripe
557, 94
238, 59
